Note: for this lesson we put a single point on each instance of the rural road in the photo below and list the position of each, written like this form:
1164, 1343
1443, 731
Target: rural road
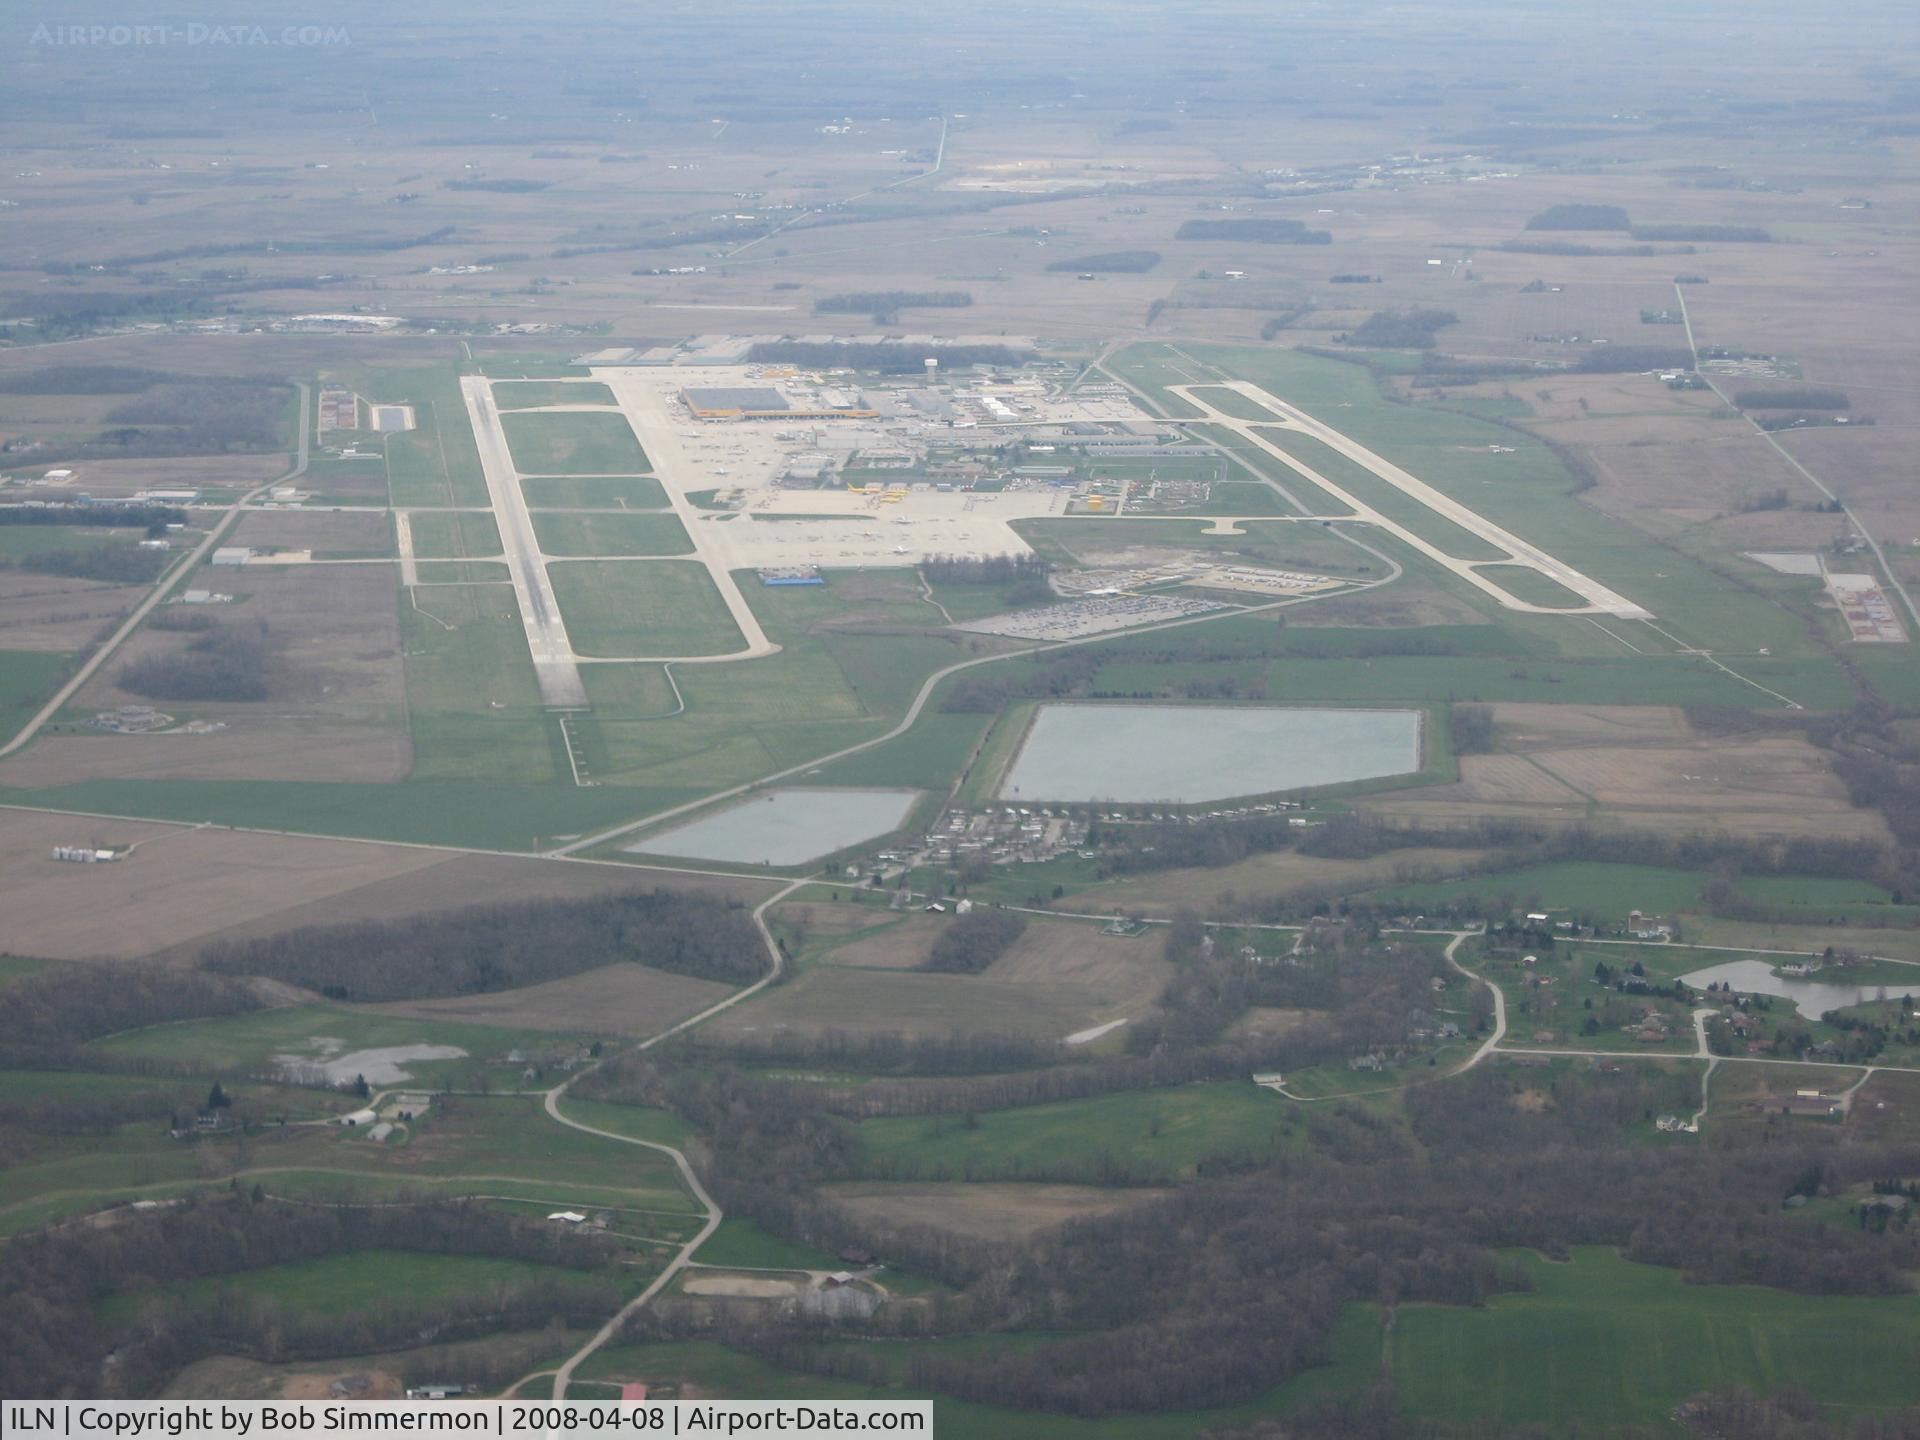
163, 585
1680, 293
608, 1331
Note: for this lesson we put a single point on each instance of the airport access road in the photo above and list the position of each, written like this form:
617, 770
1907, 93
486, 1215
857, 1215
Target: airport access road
684, 1256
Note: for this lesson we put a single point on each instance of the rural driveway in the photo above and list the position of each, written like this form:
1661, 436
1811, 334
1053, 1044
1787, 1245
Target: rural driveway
699, 1192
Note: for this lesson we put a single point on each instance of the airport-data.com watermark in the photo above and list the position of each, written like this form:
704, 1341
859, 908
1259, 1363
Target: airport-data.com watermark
206, 34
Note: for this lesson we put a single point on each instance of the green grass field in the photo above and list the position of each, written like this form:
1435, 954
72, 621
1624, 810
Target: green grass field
360, 1282
247, 1044
641, 1122
27, 679
19, 541
1600, 1342
1281, 543
744, 1245
531, 394
499, 1146
1167, 1131
573, 443
1604, 891
473, 702
1609, 892
436, 463
1523, 582
462, 572
560, 533
593, 492
1387, 499
453, 534
621, 608
1603, 1342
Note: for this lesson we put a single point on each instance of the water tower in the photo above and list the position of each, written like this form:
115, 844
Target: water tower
933, 370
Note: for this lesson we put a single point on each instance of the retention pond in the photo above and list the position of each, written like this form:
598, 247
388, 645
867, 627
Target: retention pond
1197, 754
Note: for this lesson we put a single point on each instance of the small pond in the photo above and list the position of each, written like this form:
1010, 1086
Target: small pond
1813, 998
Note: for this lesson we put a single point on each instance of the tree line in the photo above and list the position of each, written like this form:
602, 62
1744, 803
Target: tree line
1267, 231
120, 564
1110, 262
66, 1005
1217, 1293
882, 302
1794, 397
119, 516
1399, 329
482, 948
53, 1343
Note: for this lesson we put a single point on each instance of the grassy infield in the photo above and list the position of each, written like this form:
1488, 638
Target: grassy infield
1580, 1346
498, 776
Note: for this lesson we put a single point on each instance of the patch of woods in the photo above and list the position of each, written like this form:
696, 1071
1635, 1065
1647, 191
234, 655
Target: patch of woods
1471, 729
1399, 329
1217, 1293
887, 302
66, 1005
868, 1052
121, 564
1023, 577
1111, 262
1613, 217
53, 1343
1580, 217
151, 518
1061, 674
186, 417
82, 380
1509, 844
1265, 231
1571, 247
500, 187
33, 1127
1628, 359
220, 662
482, 948
1794, 397
361, 244
970, 943
885, 357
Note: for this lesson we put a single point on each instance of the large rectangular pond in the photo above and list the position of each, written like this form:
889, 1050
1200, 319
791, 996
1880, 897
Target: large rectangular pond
1196, 754
783, 827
